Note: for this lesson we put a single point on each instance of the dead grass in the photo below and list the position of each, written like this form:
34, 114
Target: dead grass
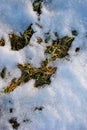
59, 47
41, 75
19, 42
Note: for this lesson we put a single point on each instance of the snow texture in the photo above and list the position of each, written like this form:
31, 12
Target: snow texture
64, 101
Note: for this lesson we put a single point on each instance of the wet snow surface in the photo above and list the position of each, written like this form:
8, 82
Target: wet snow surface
62, 105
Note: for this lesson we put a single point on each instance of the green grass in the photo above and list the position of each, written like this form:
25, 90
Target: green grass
19, 42
59, 47
41, 75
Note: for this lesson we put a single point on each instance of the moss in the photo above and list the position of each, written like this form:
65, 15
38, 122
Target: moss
3, 72
59, 47
2, 42
37, 5
19, 42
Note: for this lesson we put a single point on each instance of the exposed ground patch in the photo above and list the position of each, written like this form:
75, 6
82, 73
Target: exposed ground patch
41, 75
19, 42
59, 47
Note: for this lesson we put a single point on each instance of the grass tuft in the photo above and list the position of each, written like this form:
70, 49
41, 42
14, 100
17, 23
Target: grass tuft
19, 42
41, 75
59, 47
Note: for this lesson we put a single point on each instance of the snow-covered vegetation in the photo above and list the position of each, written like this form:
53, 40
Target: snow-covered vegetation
43, 65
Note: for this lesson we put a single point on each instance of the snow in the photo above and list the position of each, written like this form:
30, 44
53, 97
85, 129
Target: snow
64, 101
15, 12
67, 14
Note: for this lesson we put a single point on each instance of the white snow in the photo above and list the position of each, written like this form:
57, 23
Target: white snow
64, 101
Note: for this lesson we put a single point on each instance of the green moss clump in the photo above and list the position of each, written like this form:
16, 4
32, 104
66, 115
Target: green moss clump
2, 42
59, 47
19, 42
37, 5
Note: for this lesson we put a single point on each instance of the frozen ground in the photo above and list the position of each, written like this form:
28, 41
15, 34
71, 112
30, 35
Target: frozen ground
64, 101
